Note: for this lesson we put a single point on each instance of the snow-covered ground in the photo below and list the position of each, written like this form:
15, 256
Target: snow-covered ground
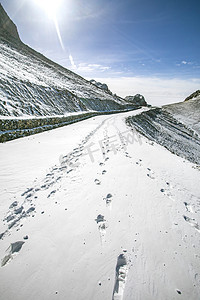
187, 112
96, 211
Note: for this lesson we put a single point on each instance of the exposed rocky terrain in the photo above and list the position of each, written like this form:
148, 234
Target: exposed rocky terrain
175, 126
136, 100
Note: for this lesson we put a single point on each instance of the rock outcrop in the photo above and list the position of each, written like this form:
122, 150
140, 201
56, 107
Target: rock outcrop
193, 95
136, 100
7, 27
100, 85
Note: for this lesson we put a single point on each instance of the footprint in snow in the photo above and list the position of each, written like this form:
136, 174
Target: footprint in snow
12, 251
127, 155
102, 227
14, 204
167, 193
192, 222
188, 207
27, 192
139, 162
120, 277
108, 199
100, 218
52, 193
150, 173
97, 182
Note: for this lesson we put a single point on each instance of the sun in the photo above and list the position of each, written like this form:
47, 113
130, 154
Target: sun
52, 9
49, 6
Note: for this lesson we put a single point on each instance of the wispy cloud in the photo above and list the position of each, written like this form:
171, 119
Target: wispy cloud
58, 33
72, 62
87, 67
184, 63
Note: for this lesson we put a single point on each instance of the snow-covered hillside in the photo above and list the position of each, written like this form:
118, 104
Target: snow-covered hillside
31, 84
175, 126
187, 112
96, 211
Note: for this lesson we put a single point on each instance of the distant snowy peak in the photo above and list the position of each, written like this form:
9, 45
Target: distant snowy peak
100, 85
7, 27
136, 100
193, 96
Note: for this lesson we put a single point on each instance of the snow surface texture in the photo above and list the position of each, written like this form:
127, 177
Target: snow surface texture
175, 126
96, 211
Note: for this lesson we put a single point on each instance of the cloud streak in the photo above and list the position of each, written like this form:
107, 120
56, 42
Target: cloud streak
87, 68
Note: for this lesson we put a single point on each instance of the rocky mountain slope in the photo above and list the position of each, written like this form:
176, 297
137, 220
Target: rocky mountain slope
31, 84
175, 126
7, 27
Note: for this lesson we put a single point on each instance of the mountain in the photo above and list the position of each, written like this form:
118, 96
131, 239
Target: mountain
33, 85
175, 126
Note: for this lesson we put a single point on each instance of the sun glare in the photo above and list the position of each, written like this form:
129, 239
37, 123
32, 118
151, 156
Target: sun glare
49, 6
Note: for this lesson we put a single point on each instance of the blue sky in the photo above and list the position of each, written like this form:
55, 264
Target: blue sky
136, 46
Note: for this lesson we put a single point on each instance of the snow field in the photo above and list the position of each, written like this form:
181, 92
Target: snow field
112, 219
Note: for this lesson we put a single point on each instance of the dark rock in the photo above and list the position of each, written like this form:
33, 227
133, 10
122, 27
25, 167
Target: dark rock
100, 85
7, 27
136, 100
193, 95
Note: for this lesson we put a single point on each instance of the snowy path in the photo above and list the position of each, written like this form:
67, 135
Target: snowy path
110, 216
